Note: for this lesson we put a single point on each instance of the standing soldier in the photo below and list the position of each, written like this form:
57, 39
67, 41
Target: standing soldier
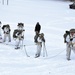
18, 35
70, 43
40, 40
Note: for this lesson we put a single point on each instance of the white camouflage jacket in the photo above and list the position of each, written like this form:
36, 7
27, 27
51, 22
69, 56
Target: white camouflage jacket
70, 38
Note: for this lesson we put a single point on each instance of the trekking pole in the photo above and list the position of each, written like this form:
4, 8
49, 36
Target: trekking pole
22, 44
0, 33
44, 50
0, 28
7, 2
3, 2
26, 51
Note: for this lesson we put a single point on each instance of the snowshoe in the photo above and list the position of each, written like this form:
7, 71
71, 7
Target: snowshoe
17, 48
68, 59
36, 56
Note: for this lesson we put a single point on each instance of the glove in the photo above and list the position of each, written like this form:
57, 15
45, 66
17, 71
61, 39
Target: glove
71, 39
65, 41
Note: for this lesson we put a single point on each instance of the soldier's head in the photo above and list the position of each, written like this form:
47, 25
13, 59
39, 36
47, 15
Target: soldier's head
72, 31
41, 35
20, 26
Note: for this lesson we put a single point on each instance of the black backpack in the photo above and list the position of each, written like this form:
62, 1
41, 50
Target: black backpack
14, 33
65, 35
17, 32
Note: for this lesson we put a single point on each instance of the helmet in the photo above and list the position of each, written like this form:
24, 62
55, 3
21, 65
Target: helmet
42, 34
72, 30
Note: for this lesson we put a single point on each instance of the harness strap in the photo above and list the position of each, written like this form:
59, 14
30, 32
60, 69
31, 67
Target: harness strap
71, 40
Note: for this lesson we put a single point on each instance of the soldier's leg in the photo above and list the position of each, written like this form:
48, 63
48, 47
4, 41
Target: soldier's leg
9, 37
68, 52
38, 50
73, 49
5, 35
17, 44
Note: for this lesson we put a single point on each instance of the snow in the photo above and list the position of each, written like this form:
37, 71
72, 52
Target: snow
55, 17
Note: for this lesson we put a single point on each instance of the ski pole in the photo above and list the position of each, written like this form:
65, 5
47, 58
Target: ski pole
0, 28
21, 44
44, 50
26, 51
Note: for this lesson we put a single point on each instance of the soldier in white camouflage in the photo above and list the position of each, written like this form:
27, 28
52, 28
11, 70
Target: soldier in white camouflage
70, 43
39, 42
18, 35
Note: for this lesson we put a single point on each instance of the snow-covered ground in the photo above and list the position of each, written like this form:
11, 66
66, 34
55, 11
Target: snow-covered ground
55, 17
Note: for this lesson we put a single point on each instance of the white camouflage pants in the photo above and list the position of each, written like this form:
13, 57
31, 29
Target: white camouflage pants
68, 50
7, 36
17, 42
38, 52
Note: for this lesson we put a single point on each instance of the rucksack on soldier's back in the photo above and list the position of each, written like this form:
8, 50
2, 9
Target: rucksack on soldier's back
14, 33
17, 32
68, 33
65, 35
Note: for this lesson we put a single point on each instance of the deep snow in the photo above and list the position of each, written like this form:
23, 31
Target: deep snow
55, 17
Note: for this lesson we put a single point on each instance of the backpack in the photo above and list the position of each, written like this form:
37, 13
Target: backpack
68, 33
35, 38
65, 35
5, 26
14, 33
39, 35
17, 32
